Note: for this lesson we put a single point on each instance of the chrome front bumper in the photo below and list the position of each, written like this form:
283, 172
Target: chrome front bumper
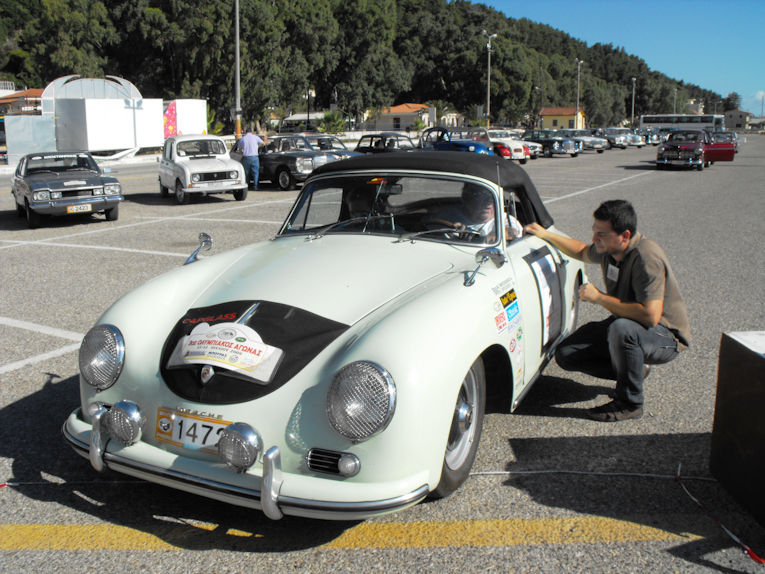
94, 446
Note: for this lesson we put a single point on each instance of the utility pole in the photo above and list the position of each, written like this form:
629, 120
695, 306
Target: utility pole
488, 76
632, 121
578, 74
237, 92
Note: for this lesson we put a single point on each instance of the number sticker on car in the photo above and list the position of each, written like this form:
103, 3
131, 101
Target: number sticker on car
82, 207
187, 430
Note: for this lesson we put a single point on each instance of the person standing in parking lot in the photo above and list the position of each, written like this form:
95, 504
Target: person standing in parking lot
648, 322
249, 145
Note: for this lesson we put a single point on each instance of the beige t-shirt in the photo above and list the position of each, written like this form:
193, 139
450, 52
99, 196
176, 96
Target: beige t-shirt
645, 275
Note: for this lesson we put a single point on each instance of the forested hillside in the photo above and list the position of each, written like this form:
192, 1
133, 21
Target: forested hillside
361, 54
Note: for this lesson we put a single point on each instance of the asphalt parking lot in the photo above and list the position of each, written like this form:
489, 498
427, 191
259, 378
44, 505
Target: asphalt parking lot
550, 490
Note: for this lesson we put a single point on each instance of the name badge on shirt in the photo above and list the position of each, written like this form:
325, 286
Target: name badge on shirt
612, 274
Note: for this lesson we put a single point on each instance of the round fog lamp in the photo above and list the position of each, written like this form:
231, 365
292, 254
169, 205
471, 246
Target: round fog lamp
124, 422
239, 446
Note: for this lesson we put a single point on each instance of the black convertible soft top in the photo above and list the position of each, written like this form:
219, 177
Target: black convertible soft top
492, 168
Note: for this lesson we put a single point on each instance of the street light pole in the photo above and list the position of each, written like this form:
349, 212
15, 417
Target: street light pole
237, 93
578, 74
488, 76
632, 121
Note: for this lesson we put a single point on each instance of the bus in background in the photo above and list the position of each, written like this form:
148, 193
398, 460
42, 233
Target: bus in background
709, 122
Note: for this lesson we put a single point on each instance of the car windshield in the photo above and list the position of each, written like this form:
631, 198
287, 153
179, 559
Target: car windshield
617, 131
326, 143
430, 208
61, 163
682, 137
203, 147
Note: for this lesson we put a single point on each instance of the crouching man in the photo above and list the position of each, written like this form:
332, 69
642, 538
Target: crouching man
648, 322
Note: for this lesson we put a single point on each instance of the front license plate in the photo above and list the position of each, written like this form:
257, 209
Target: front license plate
188, 431
79, 208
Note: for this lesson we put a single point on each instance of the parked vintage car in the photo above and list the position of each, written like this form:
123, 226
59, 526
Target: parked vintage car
615, 137
651, 136
199, 165
360, 395
441, 139
384, 143
508, 145
552, 142
586, 139
63, 183
692, 148
289, 159
729, 137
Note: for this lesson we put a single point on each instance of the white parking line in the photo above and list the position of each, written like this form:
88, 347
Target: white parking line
45, 330
596, 187
38, 358
120, 227
102, 248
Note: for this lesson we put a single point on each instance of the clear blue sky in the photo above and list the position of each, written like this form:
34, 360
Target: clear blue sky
727, 55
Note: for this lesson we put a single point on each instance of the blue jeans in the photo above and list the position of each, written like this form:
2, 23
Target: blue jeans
616, 349
251, 165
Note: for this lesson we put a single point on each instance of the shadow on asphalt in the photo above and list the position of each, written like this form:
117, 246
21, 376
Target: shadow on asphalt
48, 470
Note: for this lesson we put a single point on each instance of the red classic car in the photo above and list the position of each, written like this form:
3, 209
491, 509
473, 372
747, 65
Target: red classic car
693, 148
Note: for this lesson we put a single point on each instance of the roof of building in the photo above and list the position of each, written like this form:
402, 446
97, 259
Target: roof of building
405, 109
24, 94
559, 111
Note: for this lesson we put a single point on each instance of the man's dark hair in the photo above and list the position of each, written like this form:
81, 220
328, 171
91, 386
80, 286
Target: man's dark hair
620, 213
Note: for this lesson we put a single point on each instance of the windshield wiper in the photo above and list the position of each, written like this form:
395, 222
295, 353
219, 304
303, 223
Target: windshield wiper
450, 230
366, 219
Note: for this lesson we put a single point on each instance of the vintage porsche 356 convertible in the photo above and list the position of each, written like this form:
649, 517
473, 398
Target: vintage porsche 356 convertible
341, 369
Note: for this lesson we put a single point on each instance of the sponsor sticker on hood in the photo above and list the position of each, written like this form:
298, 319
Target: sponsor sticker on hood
234, 346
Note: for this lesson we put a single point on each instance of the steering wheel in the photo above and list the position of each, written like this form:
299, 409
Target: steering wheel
460, 229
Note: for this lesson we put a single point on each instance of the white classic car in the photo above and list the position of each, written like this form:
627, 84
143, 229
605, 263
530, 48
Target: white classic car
199, 165
341, 369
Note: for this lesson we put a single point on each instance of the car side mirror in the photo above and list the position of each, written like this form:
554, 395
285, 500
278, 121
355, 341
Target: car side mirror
205, 244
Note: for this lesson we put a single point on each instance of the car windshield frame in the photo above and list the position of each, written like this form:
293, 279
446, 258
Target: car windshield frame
60, 163
202, 147
396, 204
336, 144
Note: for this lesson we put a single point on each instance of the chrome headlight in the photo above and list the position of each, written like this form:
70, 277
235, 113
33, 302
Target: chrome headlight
102, 355
41, 195
112, 188
660, 149
194, 177
239, 446
124, 422
232, 174
304, 164
361, 400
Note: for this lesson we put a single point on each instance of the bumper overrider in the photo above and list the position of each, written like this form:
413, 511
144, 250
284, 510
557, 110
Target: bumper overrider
261, 487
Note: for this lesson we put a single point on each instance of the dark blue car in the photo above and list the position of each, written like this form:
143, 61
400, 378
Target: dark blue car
441, 139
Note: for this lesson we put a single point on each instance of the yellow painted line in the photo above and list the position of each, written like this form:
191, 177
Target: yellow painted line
515, 532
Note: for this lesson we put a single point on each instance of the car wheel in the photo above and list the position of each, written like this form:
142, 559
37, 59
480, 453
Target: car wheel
181, 196
601, 150
464, 432
33, 218
522, 161
284, 179
240, 194
113, 214
548, 152
574, 154
20, 211
163, 191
